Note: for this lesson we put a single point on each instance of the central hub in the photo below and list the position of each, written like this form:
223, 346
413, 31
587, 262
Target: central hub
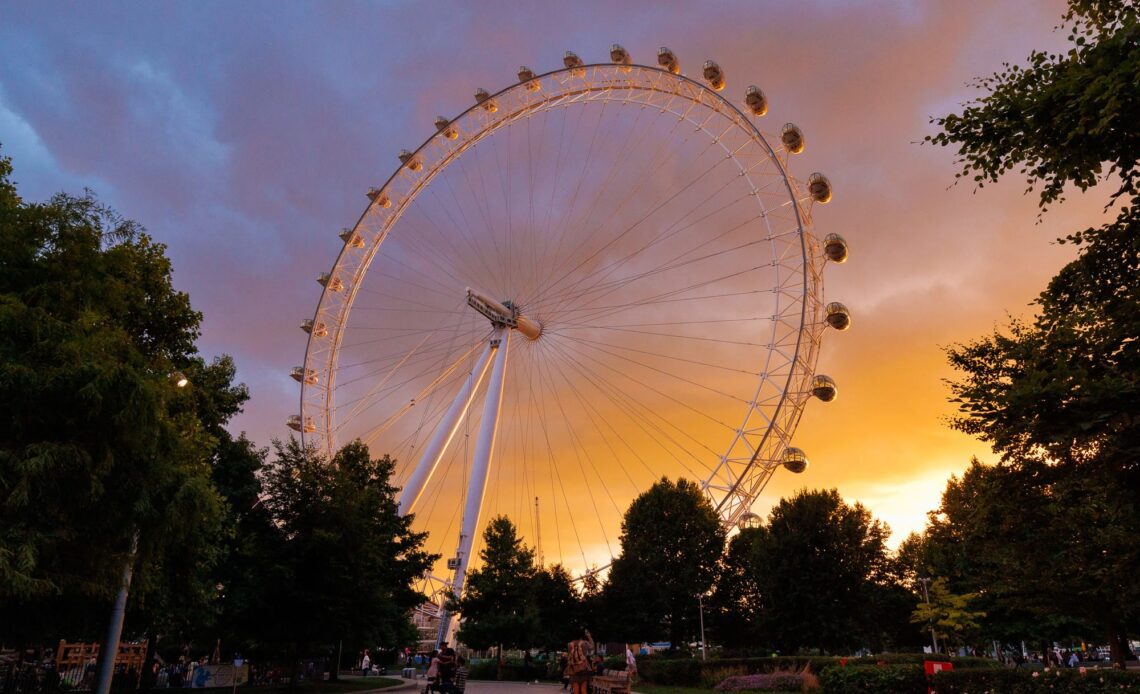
503, 314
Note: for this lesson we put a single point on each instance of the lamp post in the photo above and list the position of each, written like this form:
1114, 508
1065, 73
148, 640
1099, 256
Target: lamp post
701, 607
933, 639
109, 649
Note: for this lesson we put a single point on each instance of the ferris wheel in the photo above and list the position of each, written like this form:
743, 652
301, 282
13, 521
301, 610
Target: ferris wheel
599, 276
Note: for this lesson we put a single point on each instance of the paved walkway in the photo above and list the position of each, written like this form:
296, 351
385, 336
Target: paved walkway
478, 687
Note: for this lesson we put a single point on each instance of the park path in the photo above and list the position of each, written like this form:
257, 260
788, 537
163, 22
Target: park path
478, 687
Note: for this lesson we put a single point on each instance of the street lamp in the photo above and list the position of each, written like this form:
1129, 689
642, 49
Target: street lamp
109, 649
933, 639
701, 607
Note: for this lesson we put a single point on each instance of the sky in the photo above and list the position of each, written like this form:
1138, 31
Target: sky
243, 136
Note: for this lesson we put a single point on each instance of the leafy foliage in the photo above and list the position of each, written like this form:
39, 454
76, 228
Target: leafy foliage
950, 613
671, 542
1057, 397
559, 608
97, 442
498, 602
1059, 118
1053, 681
883, 679
823, 564
736, 607
1014, 534
342, 558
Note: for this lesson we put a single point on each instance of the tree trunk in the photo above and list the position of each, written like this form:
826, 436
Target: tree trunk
147, 676
1118, 645
334, 668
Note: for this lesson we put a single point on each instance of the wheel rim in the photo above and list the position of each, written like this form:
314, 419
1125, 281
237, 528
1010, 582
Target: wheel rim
596, 356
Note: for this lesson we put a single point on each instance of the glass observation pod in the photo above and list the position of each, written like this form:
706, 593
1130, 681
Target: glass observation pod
835, 248
619, 56
819, 188
792, 138
303, 375
443, 126
794, 460
668, 60
755, 100
824, 388
748, 520
714, 75
838, 316
314, 328
334, 284
295, 424
526, 76
351, 238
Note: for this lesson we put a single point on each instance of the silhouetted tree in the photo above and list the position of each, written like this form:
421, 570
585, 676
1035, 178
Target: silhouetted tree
671, 541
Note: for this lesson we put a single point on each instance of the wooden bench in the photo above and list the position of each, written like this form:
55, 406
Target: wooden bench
611, 682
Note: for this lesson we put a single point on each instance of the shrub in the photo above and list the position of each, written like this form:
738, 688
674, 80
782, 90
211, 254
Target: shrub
670, 672
1051, 681
764, 682
882, 679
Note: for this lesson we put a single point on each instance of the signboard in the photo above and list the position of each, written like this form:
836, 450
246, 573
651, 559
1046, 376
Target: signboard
219, 676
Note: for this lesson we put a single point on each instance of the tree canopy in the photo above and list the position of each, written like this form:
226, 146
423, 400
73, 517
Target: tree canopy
98, 442
671, 541
1057, 396
345, 559
498, 602
1061, 117
823, 569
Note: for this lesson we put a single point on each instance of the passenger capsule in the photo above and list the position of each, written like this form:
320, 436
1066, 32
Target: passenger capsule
823, 387
820, 188
333, 284
445, 128
351, 238
793, 138
835, 248
794, 460
714, 75
295, 424
483, 98
748, 520
313, 328
372, 193
409, 160
756, 101
668, 60
303, 375
619, 55
571, 60
838, 316
526, 76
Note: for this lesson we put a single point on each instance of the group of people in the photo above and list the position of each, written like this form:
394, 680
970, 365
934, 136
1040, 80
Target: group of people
447, 671
581, 664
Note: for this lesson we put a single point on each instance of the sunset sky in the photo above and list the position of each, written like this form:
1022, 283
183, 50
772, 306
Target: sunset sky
243, 135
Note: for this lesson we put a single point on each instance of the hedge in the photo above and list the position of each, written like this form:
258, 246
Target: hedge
881, 679
1050, 681
694, 672
515, 671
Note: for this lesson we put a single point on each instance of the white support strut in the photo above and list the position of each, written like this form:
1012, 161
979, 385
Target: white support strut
480, 469
444, 433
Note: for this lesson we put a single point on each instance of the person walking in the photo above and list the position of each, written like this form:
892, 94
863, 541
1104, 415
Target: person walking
365, 664
630, 663
578, 663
